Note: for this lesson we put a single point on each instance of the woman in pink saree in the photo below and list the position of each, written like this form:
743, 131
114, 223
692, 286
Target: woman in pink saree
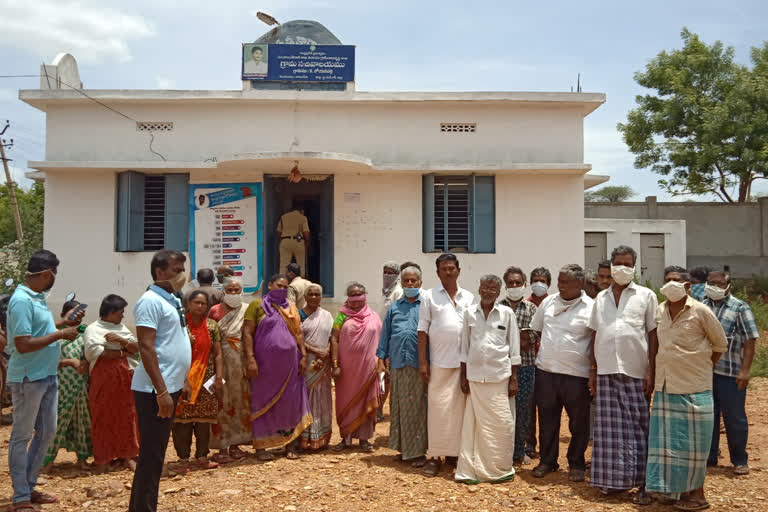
354, 341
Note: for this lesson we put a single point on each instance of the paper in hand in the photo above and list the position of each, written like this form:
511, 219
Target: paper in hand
208, 385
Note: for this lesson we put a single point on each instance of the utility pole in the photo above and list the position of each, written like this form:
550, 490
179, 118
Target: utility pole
11, 185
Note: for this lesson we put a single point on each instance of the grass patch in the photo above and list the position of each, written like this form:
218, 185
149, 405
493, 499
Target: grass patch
760, 363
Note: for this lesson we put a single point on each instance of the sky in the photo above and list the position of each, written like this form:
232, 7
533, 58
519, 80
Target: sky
426, 45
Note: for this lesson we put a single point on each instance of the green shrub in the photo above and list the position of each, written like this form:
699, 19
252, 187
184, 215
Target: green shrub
760, 363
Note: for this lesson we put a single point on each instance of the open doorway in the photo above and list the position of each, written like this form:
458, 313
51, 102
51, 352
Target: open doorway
316, 195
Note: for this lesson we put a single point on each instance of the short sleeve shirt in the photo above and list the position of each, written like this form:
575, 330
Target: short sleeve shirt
490, 346
28, 315
293, 223
159, 310
739, 325
443, 321
621, 339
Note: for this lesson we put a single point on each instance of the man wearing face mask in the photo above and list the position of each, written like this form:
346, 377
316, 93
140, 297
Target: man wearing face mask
33, 343
623, 325
541, 280
699, 282
514, 280
562, 372
160, 379
391, 288
399, 345
731, 375
691, 341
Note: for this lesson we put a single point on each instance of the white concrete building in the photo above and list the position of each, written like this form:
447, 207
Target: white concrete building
381, 171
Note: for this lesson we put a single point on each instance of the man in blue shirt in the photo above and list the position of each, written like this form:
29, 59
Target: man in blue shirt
160, 379
731, 373
399, 344
33, 344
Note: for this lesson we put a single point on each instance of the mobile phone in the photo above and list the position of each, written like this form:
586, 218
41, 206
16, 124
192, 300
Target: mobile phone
79, 308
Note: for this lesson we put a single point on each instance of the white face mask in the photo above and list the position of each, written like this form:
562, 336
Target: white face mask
622, 275
515, 294
674, 291
539, 289
233, 301
715, 292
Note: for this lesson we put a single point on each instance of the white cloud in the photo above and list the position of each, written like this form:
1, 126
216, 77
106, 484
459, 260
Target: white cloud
17, 175
86, 29
162, 82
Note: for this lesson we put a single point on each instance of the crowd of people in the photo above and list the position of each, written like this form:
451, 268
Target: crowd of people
468, 377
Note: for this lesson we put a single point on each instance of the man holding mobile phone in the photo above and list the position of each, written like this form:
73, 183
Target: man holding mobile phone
160, 379
33, 344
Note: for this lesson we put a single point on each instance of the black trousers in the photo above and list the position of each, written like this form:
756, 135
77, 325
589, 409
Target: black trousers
553, 392
153, 441
182, 439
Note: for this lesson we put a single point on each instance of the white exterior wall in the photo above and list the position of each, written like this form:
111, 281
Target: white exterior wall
390, 133
628, 231
538, 223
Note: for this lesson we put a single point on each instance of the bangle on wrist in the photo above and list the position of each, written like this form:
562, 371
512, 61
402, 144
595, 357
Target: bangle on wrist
335, 363
162, 394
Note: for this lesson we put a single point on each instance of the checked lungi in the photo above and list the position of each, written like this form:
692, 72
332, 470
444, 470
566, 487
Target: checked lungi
679, 441
620, 443
408, 409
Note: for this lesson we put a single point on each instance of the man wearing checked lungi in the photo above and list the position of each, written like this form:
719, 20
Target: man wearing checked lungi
691, 340
624, 325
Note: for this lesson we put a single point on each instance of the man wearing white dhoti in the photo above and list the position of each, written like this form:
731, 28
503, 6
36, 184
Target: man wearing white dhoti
490, 356
441, 318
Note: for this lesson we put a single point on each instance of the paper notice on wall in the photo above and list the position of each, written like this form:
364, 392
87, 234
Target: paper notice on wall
226, 229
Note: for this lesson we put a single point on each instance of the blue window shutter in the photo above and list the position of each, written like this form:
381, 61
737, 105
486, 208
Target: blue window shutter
130, 211
483, 214
177, 212
428, 212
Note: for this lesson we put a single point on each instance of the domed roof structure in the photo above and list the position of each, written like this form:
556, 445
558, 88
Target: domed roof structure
299, 32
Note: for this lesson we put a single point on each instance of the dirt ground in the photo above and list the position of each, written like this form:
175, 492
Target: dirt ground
354, 481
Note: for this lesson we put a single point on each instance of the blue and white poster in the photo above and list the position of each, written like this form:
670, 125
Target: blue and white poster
298, 62
227, 229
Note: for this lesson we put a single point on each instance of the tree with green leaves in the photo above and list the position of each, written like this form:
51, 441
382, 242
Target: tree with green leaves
610, 194
13, 254
705, 129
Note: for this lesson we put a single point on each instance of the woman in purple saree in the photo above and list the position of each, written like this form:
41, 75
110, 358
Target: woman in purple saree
276, 360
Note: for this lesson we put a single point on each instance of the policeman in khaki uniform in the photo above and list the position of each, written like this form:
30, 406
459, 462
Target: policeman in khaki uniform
293, 233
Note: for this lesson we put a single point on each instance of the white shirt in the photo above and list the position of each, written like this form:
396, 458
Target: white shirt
252, 68
490, 347
394, 296
565, 335
621, 342
443, 321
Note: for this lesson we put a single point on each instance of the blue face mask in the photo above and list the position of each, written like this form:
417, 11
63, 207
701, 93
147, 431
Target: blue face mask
697, 290
411, 292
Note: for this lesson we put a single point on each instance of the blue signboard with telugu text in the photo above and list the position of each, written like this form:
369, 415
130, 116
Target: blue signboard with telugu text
298, 62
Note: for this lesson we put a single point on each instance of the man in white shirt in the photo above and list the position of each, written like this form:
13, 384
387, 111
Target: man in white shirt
490, 356
441, 319
562, 371
623, 325
256, 66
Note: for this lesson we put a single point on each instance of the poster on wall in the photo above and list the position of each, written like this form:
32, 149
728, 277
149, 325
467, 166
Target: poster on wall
227, 229
298, 62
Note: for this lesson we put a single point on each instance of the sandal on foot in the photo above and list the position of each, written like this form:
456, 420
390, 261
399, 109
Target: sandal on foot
223, 458
366, 447
432, 467
204, 463
419, 462
741, 470
576, 475
340, 447
686, 504
237, 453
23, 507
264, 456
291, 455
642, 498
543, 469
40, 498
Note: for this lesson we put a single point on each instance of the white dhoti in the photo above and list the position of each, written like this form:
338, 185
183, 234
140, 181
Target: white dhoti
445, 412
488, 434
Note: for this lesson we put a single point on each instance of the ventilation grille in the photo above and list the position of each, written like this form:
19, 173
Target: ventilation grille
452, 213
458, 127
154, 212
154, 126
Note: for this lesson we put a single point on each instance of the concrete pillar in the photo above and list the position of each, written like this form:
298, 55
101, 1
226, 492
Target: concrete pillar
653, 208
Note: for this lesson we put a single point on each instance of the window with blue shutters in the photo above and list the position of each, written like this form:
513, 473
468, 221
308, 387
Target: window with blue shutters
459, 213
152, 212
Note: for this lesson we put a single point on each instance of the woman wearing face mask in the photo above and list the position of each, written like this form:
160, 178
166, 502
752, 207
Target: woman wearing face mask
112, 351
233, 426
317, 324
276, 359
356, 332
199, 410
